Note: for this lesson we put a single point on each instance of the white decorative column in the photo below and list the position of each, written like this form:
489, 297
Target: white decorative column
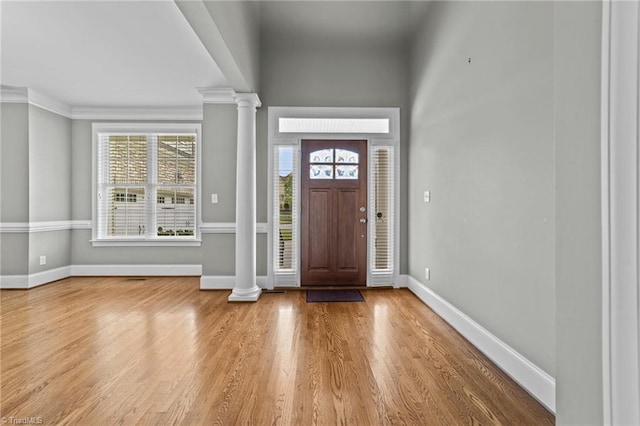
245, 289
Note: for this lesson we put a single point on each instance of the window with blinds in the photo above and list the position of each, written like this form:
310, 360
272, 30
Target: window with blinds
381, 220
285, 215
146, 185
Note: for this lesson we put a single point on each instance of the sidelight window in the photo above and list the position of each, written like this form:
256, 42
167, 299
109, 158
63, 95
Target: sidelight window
285, 212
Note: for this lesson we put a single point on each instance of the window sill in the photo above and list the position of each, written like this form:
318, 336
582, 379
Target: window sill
168, 242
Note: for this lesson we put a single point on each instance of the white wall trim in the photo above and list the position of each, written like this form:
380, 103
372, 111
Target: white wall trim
137, 113
14, 282
229, 228
81, 224
45, 277
55, 225
47, 103
14, 95
217, 95
34, 280
14, 227
212, 95
604, 189
226, 282
533, 379
402, 281
620, 170
26, 227
139, 270
10, 94
25, 95
277, 138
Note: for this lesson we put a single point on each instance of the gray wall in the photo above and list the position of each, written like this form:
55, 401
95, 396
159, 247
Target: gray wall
82, 252
14, 254
36, 181
14, 186
49, 166
577, 40
49, 187
219, 155
14, 162
218, 163
219, 130
302, 72
482, 143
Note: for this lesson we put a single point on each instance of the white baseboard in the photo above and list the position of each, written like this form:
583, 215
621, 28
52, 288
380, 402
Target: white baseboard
34, 280
14, 282
403, 281
140, 270
225, 282
534, 380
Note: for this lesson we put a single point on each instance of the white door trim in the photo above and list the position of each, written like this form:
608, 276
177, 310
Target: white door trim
620, 212
275, 137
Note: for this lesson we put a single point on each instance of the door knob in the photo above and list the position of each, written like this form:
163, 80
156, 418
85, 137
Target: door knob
363, 220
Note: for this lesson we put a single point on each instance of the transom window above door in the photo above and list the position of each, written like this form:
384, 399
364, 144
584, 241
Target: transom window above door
333, 164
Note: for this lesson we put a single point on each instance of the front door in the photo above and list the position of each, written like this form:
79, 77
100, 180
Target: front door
334, 215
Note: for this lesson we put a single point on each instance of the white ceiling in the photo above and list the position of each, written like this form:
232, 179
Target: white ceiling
96, 53
105, 53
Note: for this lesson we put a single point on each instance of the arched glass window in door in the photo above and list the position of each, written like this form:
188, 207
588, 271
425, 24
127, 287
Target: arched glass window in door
333, 164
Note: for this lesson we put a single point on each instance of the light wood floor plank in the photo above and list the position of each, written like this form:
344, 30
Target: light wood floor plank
160, 351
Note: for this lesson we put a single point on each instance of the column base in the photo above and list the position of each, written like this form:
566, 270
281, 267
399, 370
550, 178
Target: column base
242, 295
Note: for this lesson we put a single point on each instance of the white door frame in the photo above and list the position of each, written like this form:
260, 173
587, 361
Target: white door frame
620, 211
392, 138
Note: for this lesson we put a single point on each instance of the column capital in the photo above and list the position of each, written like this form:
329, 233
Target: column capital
247, 100
216, 95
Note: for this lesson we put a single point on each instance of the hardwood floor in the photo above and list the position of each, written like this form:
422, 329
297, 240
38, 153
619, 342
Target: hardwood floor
94, 351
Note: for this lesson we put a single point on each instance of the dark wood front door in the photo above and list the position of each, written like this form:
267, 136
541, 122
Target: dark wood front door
334, 215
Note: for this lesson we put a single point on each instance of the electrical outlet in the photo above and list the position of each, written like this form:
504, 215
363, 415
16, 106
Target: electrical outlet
43, 260
427, 274
214, 198
427, 196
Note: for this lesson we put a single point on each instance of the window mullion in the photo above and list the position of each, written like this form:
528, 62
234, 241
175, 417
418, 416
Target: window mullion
152, 181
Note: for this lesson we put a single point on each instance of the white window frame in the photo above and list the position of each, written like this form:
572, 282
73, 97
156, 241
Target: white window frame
620, 173
98, 128
390, 139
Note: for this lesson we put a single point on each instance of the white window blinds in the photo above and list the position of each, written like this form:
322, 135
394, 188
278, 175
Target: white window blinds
146, 185
381, 219
285, 215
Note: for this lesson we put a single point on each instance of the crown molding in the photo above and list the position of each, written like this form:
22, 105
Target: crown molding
137, 113
211, 95
47, 103
9, 94
15, 95
215, 95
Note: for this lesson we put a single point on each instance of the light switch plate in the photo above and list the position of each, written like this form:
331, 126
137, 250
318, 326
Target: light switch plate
427, 196
214, 198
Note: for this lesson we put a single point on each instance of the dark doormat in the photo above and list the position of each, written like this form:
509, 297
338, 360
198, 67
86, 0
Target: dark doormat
334, 296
